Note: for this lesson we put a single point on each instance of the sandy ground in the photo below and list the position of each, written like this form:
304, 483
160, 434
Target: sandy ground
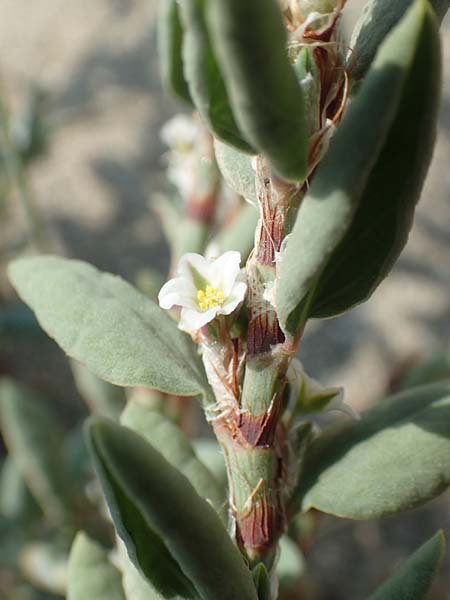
97, 61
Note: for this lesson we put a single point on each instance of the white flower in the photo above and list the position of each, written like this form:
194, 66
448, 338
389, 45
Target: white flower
187, 141
311, 397
204, 289
181, 133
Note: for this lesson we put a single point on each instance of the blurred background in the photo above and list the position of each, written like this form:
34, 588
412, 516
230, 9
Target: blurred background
93, 66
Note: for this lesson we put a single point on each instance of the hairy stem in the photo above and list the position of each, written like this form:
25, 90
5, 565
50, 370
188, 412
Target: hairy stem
252, 435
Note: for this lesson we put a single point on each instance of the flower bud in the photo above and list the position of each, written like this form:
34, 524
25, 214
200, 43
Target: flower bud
310, 13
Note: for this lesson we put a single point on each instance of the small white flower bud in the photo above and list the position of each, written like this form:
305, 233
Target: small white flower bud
310, 13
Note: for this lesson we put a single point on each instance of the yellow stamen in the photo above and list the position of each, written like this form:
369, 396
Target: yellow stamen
209, 298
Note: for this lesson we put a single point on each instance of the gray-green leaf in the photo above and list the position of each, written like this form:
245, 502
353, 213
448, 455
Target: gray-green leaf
103, 322
170, 42
134, 585
204, 76
239, 235
290, 565
174, 446
91, 574
379, 17
355, 220
413, 579
397, 457
172, 534
261, 579
250, 40
236, 168
211, 455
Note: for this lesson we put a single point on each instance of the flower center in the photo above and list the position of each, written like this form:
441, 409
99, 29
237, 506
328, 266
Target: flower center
209, 298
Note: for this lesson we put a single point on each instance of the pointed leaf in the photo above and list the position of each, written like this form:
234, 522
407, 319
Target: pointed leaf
34, 442
264, 92
103, 322
413, 579
236, 168
381, 225
174, 446
402, 447
378, 18
261, 580
205, 79
172, 535
355, 220
170, 41
91, 574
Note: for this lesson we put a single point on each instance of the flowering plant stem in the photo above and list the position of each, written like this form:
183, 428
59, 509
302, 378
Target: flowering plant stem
253, 438
336, 189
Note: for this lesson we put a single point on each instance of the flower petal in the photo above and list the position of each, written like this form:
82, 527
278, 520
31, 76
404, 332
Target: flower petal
311, 397
337, 403
196, 261
225, 270
193, 320
236, 297
177, 292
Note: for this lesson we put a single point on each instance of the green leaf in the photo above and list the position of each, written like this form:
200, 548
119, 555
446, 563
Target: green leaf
170, 41
34, 441
413, 579
103, 322
261, 580
205, 79
265, 95
437, 368
236, 168
354, 222
135, 586
103, 398
290, 565
381, 225
397, 457
91, 574
173, 536
211, 455
146, 548
16, 501
240, 233
377, 20
174, 446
